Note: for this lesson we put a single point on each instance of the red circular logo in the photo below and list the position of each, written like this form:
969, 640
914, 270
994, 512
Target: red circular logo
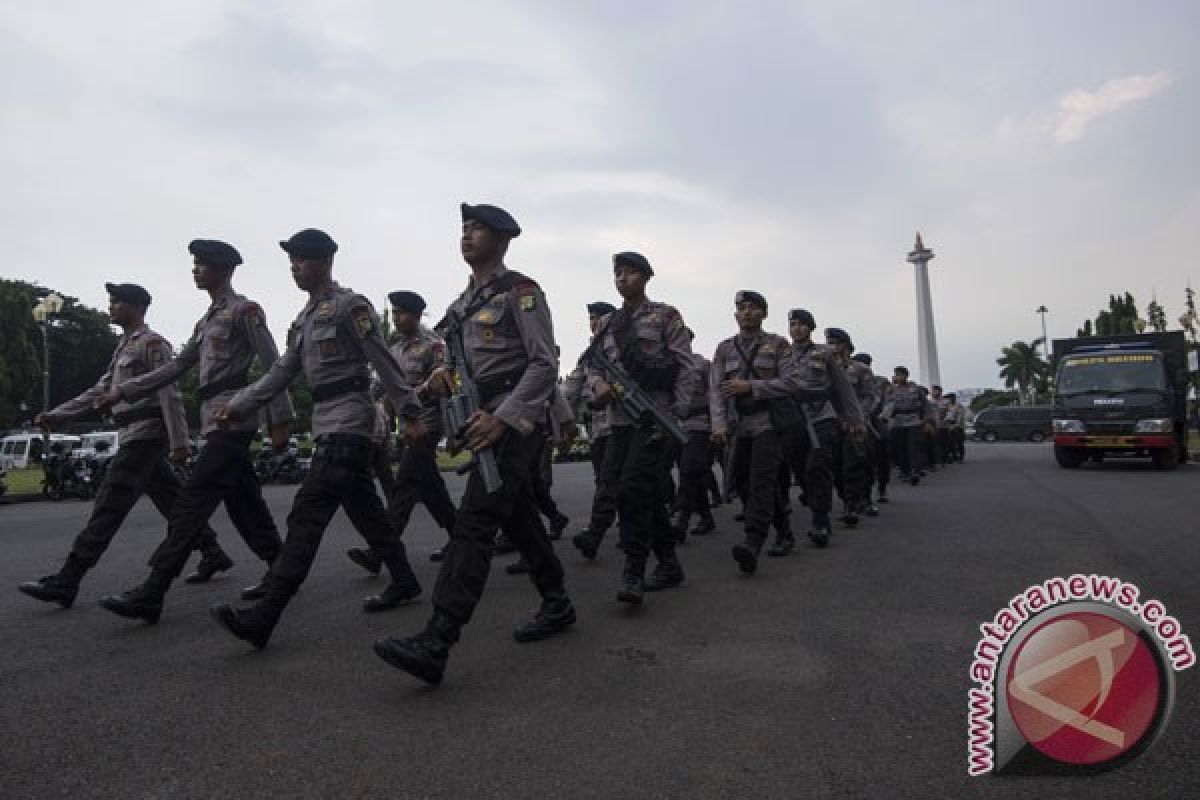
1084, 688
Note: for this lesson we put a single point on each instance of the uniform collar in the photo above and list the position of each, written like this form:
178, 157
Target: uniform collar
136, 332
325, 295
471, 285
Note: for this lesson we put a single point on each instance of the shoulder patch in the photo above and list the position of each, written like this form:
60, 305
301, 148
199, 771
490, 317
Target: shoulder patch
674, 320
253, 314
528, 301
362, 321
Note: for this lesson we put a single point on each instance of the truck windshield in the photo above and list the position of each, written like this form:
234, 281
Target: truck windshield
1110, 373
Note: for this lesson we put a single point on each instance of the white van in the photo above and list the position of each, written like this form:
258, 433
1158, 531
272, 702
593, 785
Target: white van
88, 442
20, 450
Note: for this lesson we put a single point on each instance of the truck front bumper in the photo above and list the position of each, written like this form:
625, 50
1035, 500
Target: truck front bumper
1148, 441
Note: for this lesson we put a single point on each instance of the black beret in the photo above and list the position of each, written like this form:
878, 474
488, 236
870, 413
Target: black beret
497, 219
407, 301
129, 292
635, 260
803, 316
310, 243
600, 308
865, 358
214, 253
901, 370
748, 296
839, 335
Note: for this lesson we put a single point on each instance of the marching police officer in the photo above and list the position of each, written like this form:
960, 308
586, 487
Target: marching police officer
908, 415
956, 423
811, 448
882, 469
226, 340
751, 371
852, 467
507, 338
695, 462
332, 341
649, 341
418, 352
146, 428
576, 389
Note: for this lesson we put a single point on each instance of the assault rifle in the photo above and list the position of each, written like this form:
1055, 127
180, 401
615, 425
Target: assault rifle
464, 402
632, 398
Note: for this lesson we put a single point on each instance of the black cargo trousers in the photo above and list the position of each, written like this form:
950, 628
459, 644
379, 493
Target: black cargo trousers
815, 463
604, 504
756, 470
418, 479
464, 573
139, 467
342, 476
223, 472
695, 465
634, 462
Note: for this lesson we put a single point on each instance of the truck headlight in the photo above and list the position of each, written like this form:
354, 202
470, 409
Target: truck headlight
1069, 426
1155, 426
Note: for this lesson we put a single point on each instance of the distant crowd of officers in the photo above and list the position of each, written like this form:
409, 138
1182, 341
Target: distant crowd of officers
772, 412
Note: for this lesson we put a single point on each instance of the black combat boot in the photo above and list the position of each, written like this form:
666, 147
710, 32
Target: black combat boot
784, 544
821, 530
404, 588
423, 656
555, 615
706, 525
144, 602
255, 623
850, 516
518, 567
586, 543
632, 582
259, 590
213, 560
668, 573
679, 526
366, 558
59, 588
746, 553
439, 555
558, 525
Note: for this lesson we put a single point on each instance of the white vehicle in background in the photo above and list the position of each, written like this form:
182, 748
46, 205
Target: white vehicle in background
20, 450
88, 441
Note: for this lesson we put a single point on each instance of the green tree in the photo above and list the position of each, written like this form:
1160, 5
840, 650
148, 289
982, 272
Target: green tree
1156, 316
1022, 367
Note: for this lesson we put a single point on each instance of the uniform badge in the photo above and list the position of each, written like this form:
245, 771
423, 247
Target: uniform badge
225, 316
157, 355
325, 309
528, 302
486, 316
488, 335
329, 347
363, 323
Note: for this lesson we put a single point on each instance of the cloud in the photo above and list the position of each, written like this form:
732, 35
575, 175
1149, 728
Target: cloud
1078, 109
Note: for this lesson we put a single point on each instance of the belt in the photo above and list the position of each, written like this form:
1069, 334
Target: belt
594, 406
343, 447
123, 418
210, 390
334, 389
695, 411
490, 388
746, 407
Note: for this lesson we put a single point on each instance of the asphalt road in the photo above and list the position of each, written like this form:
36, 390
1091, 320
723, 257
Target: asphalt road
835, 673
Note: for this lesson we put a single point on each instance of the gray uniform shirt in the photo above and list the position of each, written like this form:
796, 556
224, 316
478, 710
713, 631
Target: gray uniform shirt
658, 327
774, 375
819, 369
698, 416
224, 343
906, 408
511, 334
866, 389
418, 356
576, 390
138, 352
334, 338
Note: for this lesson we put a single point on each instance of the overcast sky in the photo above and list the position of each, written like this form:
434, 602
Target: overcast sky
1047, 152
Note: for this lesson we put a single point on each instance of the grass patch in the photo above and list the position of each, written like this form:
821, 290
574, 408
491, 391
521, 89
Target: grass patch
25, 481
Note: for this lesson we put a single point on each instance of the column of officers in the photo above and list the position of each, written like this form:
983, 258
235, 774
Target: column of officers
775, 413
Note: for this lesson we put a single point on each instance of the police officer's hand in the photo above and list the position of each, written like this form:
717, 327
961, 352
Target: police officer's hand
44, 421
107, 400
440, 383
414, 431
568, 434
180, 454
720, 438
735, 387
223, 416
279, 436
929, 428
484, 430
602, 391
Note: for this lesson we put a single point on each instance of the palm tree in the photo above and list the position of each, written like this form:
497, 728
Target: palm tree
1022, 367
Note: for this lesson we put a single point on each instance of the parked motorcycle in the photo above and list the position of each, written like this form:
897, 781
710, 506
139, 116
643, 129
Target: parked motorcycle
66, 476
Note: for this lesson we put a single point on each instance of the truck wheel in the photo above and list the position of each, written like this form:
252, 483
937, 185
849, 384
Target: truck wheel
1167, 458
1068, 457
1037, 436
989, 436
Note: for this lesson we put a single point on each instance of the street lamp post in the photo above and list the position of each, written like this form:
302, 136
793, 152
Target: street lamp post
48, 306
1042, 310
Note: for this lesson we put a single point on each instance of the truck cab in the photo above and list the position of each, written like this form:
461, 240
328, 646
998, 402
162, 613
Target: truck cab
1120, 395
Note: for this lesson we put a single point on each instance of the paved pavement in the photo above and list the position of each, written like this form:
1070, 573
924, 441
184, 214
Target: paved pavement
835, 673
